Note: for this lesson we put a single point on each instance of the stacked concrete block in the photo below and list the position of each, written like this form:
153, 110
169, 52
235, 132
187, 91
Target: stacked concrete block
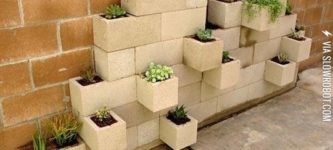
225, 14
229, 36
296, 50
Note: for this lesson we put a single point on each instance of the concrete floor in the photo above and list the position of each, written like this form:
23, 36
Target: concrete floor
291, 121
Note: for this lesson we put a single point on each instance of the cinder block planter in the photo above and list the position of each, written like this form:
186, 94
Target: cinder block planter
126, 32
178, 136
112, 137
202, 56
278, 74
260, 22
87, 99
296, 50
225, 76
146, 7
230, 37
223, 14
157, 96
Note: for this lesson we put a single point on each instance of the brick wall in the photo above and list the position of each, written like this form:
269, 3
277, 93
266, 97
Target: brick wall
315, 15
43, 43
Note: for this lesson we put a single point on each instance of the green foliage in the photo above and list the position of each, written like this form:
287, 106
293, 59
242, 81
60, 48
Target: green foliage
299, 28
226, 55
204, 35
157, 73
64, 129
289, 9
102, 114
253, 7
89, 75
283, 57
38, 141
114, 11
179, 112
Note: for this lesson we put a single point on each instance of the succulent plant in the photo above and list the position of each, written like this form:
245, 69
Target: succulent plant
157, 73
296, 35
226, 58
179, 112
289, 9
89, 75
38, 141
283, 57
204, 35
102, 114
299, 28
114, 11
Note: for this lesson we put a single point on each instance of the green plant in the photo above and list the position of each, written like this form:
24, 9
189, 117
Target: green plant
64, 129
204, 35
114, 11
178, 113
283, 57
253, 7
38, 141
296, 35
299, 28
102, 114
89, 75
156, 73
289, 9
226, 57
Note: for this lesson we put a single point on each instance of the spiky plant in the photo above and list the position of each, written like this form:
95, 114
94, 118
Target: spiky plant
289, 9
38, 141
179, 112
157, 73
114, 11
204, 35
283, 57
89, 75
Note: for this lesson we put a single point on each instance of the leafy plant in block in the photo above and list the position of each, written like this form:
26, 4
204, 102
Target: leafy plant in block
102, 117
114, 11
289, 9
64, 129
296, 35
281, 58
299, 28
157, 73
204, 35
89, 77
253, 7
226, 57
178, 116
38, 141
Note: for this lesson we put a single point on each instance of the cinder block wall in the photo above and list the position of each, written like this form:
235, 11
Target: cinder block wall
44, 43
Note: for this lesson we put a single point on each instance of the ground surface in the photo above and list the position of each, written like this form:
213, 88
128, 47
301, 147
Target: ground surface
291, 121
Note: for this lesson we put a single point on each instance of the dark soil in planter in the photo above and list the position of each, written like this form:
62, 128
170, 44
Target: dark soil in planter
276, 59
84, 82
179, 121
106, 122
206, 41
212, 26
114, 18
54, 145
50, 145
226, 60
229, 1
298, 39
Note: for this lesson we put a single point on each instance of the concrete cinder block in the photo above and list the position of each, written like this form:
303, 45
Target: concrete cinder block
202, 56
297, 51
101, 138
230, 37
266, 50
182, 23
186, 75
157, 96
260, 22
225, 76
232, 99
178, 136
166, 52
122, 91
114, 65
148, 131
203, 110
127, 32
278, 74
224, 14
132, 138
190, 94
251, 74
208, 92
146, 7
285, 26
261, 88
244, 54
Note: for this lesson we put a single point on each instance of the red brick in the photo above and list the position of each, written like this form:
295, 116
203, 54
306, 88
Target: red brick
76, 33
303, 4
300, 16
312, 61
32, 105
98, 6
44, 10
9, 13
14, 78
13, 137
313, 15
60, 68
316, 30
26, 42
328, 16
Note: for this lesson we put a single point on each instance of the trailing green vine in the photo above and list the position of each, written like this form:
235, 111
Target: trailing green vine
253, 7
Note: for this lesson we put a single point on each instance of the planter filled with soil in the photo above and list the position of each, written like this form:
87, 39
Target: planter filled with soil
279, 73
109, 134
225, 76
202, 55
297, 49
225, 13
178, 133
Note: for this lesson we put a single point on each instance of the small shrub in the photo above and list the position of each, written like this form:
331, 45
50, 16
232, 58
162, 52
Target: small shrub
114, 11
253, 7
296, 35
157, 73
102, 114
38, 141
89, 75
64, 129
226, 58
204, 35
178, 116
283, 58
102, 117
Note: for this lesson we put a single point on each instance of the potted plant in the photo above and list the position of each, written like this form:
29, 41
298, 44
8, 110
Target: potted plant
202, 51
104, 130
64, 130
116, 30
225, 76
157, 88
38, 141
300, 30
225, 13
177, 129
261, 15
88, 92
279, 70
297, 47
